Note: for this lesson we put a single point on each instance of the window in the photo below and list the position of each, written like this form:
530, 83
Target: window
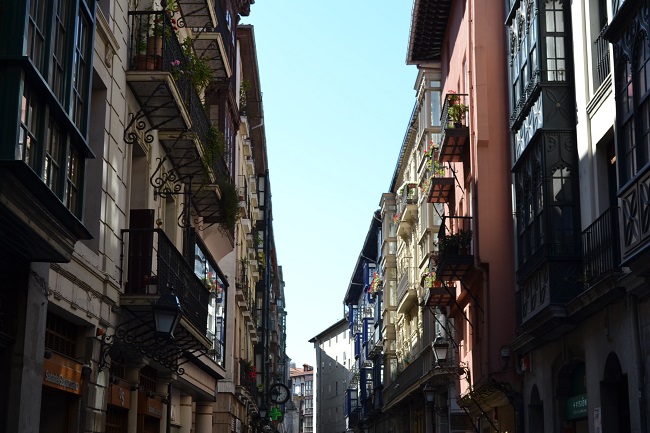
206, 270
60, 335
58, 36
555, 53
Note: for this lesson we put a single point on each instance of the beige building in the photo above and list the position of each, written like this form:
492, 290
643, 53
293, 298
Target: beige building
136, 195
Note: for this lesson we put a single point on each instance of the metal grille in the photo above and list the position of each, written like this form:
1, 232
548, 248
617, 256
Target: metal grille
116, 420
602, 53
60, 335
148, 378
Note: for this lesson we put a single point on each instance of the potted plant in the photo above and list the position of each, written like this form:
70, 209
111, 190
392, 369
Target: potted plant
452, 97
455, 243
151, 284
456, 113
197, 68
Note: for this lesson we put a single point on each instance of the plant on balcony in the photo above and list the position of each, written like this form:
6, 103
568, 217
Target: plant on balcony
214, 146
452, 97
456, 113
396, 217
211, 283
375, 283
228, 205
429, 279
195, 68
243, 100
455, 243
249, 370
410, 190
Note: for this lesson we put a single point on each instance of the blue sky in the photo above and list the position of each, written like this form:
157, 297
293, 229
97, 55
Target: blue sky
337, 99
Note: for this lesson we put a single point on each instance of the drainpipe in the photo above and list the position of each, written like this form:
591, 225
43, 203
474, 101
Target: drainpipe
638, 357
168, 424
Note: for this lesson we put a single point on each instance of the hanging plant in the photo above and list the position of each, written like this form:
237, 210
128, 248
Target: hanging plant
229, 205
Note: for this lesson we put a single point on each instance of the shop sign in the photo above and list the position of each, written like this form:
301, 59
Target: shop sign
149, 406
576, 407
62, 373
120, 396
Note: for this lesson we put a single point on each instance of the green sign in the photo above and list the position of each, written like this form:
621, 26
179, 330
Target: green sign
275, 414
576, 407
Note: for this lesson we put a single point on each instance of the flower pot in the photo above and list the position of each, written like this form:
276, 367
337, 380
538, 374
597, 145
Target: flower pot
458, 124
154, 45
143, 62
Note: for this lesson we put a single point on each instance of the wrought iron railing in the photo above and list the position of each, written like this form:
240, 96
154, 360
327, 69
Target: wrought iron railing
602, 54
455, 236
156, 267
408, 195
405, 278
601, 248
246, 379
454, 110
411, 374
154, 46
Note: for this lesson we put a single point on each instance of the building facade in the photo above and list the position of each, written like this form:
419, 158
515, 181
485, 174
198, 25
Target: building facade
302, 394
135, 183
333, 359
443, 278
582, 343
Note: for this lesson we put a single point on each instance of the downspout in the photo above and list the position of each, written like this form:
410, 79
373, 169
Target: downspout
474, 187
267, 287
639, 367
168, 424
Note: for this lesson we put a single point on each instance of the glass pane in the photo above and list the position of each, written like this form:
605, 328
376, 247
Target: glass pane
550, 22
435, 108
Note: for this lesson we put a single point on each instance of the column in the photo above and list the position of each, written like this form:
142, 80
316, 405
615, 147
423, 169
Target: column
186, 414
133, 376
428, 424
203, 417
163, 388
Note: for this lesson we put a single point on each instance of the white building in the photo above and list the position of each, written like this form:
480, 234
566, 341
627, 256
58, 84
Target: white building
334, 356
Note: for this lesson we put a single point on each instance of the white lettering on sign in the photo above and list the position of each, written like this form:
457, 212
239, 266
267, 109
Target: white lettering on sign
154, 410
58, 379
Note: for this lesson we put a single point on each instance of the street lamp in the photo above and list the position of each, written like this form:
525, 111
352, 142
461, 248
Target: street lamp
429, 394
167, 314
440, 349
263, 411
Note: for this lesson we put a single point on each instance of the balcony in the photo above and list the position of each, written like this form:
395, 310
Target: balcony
213, 42
438, 294
406, 294
456, 250
441, 184
156, 267
407, 207
399, 388
247, 386
150, 54
375, 343
600, 246
635, 209
455, 132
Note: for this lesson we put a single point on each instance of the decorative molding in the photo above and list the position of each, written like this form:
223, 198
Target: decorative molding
111, 45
